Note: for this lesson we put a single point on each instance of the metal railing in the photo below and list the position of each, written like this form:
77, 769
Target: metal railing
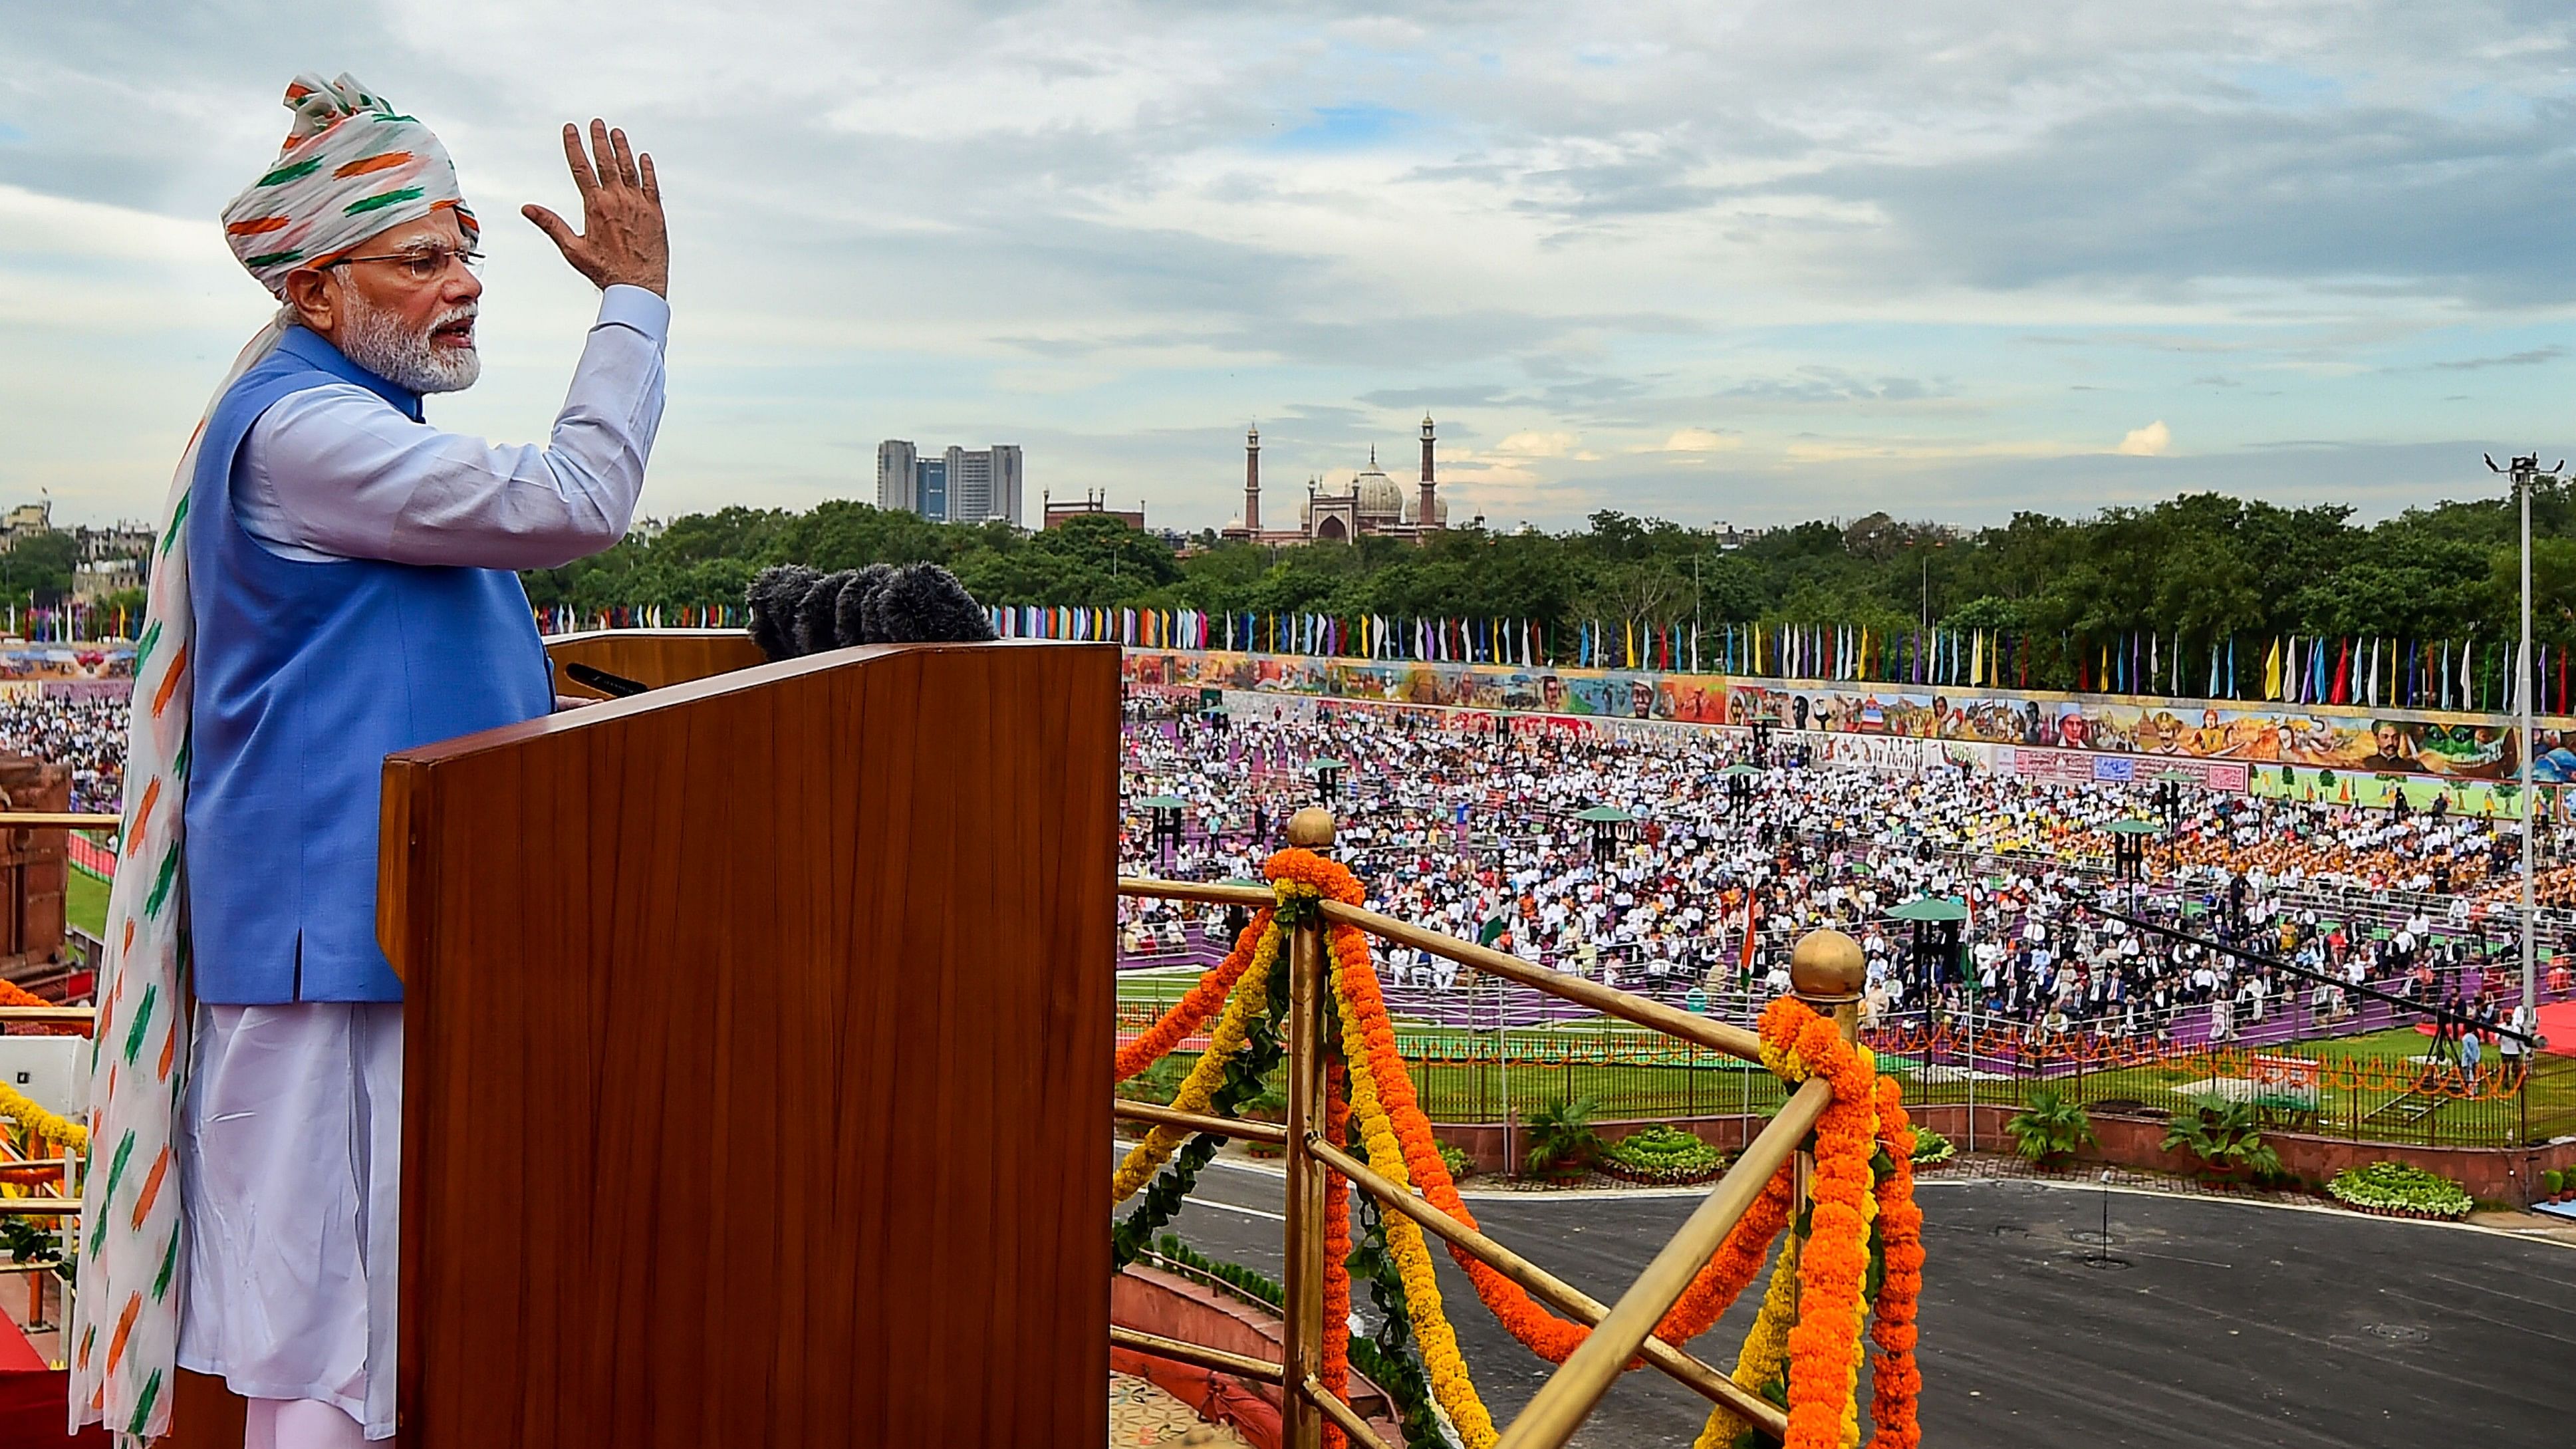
21, 1151
1621, 1331
64, 1205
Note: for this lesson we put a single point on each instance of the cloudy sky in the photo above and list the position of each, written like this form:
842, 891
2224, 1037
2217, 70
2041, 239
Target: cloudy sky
1699, 259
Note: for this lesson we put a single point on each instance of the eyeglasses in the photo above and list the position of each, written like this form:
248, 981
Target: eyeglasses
424, 265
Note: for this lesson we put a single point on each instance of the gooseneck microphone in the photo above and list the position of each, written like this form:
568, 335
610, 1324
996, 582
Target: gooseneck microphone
616, 686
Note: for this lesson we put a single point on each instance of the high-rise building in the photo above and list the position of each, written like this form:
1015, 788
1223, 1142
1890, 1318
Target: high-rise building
934, 489
970, 484
1006, 483
898, 476
962, 485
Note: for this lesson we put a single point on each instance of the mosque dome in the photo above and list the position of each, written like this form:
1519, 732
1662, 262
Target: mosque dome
1378, 494
1439, 511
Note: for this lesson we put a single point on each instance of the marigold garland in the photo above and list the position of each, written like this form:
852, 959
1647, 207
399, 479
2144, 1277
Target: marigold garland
1199, 1087
1191, 1011
13, 994
1895, 1383
1336, 1375
60, 1131
1766, 1348
1438, 1341
1824, 1347
1712, 1290
1850, 1430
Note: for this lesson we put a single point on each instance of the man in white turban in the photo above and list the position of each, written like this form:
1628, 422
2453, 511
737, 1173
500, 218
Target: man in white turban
336, 581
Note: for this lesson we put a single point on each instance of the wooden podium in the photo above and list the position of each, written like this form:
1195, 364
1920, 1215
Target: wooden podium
757, 1046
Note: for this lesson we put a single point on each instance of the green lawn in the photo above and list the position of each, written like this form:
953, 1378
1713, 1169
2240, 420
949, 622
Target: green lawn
1640, 1086
85, 904
2403, 1041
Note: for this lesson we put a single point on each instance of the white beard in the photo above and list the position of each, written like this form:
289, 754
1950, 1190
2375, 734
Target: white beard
376, 340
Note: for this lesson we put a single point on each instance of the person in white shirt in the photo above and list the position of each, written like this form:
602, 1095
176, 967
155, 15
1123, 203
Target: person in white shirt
2517, 1020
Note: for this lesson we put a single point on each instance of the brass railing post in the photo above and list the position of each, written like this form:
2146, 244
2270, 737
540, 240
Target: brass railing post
1827, 971
1302, 1336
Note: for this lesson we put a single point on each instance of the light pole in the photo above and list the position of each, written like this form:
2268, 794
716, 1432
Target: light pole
1612, 827
2525, 472
1927, 615
1327, 774
1739, 789
1166, 812
2129, 855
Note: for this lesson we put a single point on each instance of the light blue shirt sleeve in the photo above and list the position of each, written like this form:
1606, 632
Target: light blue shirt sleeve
336, 472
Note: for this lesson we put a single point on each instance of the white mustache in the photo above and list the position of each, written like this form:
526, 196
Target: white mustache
466, 313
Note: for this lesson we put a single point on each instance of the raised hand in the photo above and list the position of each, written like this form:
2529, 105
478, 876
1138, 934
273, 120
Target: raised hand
622, 240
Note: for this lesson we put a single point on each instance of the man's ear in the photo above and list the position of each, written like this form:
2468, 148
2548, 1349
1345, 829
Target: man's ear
310, 293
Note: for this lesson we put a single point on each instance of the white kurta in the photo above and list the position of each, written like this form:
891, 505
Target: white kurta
290, 1140
290, 1145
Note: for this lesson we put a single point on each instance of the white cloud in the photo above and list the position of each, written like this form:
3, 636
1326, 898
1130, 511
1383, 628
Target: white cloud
1915, 450
1699, 440
1537, 445
2151, 441
1115, 228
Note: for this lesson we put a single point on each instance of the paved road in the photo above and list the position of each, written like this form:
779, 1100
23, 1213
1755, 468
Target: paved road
2232, 1325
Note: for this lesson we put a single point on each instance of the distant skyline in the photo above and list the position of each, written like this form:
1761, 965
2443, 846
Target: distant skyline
1757, 263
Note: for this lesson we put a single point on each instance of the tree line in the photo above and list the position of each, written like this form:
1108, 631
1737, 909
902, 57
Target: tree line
2200, 568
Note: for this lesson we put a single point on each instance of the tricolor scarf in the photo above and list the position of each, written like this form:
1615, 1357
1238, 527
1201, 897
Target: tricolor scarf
352, 167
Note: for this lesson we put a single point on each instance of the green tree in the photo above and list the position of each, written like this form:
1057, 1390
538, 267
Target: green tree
2194, 570
39, 565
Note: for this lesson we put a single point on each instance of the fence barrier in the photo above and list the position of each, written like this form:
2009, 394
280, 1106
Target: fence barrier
1483, 1077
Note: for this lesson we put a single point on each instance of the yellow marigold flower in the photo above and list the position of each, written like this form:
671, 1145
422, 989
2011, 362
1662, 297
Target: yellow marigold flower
1432, 1332
16, 1106
1766, 1345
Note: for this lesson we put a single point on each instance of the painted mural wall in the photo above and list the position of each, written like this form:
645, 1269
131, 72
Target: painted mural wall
2338, 753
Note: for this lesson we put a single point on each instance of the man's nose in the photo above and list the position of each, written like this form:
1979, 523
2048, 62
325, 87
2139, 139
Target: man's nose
462, 286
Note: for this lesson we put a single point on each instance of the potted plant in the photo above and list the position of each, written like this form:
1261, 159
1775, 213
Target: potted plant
1156, 1084
1661, 1153
1560, 1136
1931, 1149
1455, 1158
1270, 1106
2050, 1128
2227, 1137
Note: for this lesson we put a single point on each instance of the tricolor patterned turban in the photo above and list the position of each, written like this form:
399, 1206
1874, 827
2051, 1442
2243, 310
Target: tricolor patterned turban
352, 167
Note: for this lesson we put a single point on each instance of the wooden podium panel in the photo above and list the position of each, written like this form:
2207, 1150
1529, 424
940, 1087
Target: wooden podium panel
757, 1038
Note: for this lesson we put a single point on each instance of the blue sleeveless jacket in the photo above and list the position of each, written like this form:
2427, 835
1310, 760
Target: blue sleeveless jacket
306, 676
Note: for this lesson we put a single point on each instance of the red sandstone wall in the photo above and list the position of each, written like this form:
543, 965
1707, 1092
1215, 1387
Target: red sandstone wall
2494, 1174
32, 867
1151, 1301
